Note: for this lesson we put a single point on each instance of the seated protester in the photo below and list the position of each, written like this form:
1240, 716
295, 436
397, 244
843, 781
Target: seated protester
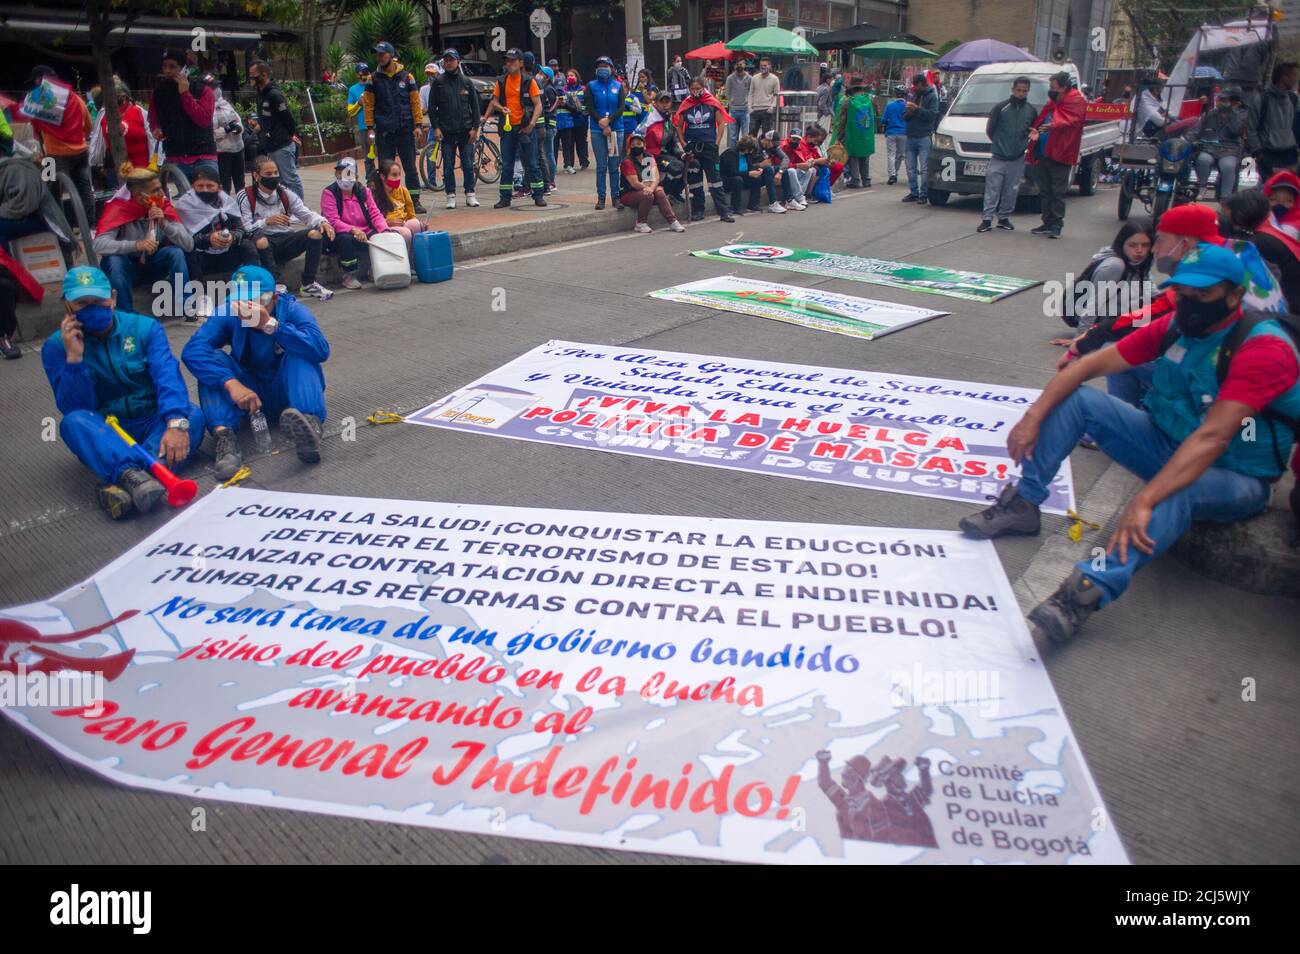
262, 350
1111, 284
220, 244
1250, 218
799, 171
780, 166
1189, 445
15, 283
394, 202
1220, 139
641, 188
353, 216
1283, 192
663, 143
106, 360
815, 140
140, 237
26, 206
745, 167
269, 211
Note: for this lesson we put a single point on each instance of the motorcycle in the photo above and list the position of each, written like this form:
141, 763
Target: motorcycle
1157, 174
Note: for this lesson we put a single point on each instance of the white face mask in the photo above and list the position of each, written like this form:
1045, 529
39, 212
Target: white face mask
346, 184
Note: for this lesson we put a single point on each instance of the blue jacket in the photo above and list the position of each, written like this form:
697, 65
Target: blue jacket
893, 118
355, 92
605, 98
258, 354
131, 374
1184, 386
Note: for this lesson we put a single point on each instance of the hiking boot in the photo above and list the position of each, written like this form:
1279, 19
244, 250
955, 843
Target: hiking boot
471, 200
600, 202
114, 501
1010, 514
1059, 616
503, 202
419, 209
144, 490
304, 430
984, 226
226, 453
1006, 225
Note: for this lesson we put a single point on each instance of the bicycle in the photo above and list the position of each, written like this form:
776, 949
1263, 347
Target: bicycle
487, 160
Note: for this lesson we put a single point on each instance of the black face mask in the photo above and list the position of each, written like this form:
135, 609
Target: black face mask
638, 152
1196, 318
211, 198
1053, 93
1280, 210
269, 183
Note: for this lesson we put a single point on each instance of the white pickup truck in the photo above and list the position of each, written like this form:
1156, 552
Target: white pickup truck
959, 156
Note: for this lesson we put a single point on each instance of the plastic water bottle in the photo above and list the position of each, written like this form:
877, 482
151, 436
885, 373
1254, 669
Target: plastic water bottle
261, 432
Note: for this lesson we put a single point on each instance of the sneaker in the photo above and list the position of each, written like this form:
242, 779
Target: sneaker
1010, 514
202, 309
986, 225
1054, 232
726, 217
315, 290
1059, 616
350, 281
642, 227
776, 207
304, 431
1005, 224
568, 171
419, 209
866, 183
451, 201
799, 205
145, 491
585, 166
114, 501
540, 202
1041, 230
923, 200
892, 180
600, 202
471, 200
503, 202
910, 198
676, 226
226, 451
520, 193
9, 349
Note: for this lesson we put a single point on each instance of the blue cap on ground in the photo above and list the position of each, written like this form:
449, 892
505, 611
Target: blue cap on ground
1207, 265
250, 283
86, 282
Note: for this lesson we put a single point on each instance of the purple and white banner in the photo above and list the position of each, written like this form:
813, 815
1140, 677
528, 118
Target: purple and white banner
871, 429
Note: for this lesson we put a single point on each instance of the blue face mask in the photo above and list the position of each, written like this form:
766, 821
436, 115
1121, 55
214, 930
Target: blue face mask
96, 318
602, 73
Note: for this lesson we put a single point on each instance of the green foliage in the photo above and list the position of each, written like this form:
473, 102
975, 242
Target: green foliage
1165, 29
396, 21
337, 58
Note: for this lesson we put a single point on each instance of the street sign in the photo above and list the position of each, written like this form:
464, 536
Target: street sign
539, 21
773, 16
673, 32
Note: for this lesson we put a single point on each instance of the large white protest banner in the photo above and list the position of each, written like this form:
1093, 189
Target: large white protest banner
814, 308
721, 688
872, 429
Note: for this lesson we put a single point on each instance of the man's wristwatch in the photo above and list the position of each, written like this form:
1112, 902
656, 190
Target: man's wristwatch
270, 326
179, 423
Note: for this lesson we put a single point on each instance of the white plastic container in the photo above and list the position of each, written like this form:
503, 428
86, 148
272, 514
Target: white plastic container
390, 266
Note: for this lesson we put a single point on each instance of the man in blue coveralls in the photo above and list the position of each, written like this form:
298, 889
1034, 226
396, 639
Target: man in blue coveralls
273, 365
106, 361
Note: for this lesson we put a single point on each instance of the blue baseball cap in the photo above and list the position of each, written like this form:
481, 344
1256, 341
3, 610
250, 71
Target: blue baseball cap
86, 282
250, 283
363, 68
385, 47
451, 53
1207, 265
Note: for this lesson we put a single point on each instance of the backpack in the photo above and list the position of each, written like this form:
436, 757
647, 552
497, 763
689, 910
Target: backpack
252, 200
1228, 349
525, 98
359, 190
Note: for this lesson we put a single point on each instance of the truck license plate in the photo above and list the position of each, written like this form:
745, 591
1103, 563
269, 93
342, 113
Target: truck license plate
976, 168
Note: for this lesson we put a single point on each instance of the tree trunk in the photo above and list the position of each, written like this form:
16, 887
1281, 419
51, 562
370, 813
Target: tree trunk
97, 12
311, 49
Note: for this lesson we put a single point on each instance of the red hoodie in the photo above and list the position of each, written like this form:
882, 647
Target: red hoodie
1067, 113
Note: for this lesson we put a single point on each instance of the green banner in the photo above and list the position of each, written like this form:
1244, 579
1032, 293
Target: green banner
934, 279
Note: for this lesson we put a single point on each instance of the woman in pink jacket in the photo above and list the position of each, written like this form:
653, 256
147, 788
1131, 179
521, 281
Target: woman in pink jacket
348, 206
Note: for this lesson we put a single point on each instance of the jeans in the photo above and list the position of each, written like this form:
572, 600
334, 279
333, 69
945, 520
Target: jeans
297, 383
97, 445
895, 148
858, 169
1132, 385
78, 170
286, 160
606, 165
737, 128
454, 144
1131, 439
1227, 166
797, 182
166, 264
399, 143
1053, 180
517, 143
918, 165
760, 120
1002, 186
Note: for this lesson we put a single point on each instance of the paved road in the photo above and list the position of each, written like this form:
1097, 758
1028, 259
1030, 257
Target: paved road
1189, 772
